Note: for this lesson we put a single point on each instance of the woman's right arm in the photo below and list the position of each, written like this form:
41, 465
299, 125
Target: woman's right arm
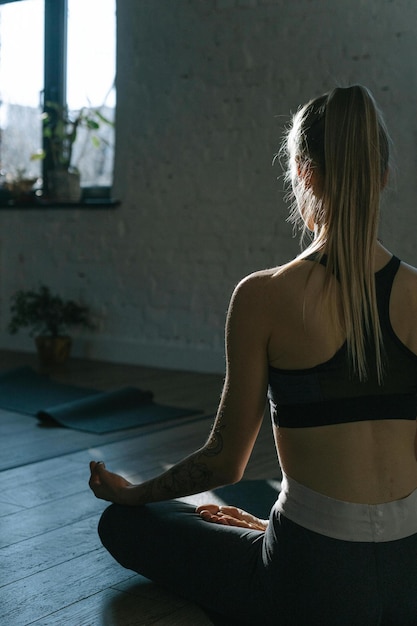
223, 458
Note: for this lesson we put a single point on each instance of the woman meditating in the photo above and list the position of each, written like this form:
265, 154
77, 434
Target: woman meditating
331, 339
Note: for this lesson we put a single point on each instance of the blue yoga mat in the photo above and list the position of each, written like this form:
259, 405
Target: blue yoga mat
25, 391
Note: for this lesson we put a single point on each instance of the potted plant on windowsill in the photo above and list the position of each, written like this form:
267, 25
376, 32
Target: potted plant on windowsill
60, 131
49, 319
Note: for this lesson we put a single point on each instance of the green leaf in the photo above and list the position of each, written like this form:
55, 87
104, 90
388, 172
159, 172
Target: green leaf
38, 155
92, 125
103, 118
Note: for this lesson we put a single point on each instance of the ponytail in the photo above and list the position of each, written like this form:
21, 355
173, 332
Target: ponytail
342, 134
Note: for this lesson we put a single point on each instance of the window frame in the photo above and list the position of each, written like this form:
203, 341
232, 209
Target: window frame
55, 85
55, 64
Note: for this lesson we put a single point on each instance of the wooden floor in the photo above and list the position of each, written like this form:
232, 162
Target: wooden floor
53, 570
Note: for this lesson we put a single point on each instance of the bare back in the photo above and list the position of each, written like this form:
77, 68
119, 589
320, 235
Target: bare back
359, 461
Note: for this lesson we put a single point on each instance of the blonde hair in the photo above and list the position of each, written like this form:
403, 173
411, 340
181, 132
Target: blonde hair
342, 135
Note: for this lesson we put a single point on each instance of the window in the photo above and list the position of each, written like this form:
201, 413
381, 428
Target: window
21, 85
61, 52
94, 85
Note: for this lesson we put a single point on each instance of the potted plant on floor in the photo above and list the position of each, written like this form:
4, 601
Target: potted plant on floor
49, 319
60, 131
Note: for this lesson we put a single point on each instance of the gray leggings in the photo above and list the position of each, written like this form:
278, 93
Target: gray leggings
286, 576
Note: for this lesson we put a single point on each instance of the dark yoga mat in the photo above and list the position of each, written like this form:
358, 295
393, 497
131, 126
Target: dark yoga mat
255, 496
25, 391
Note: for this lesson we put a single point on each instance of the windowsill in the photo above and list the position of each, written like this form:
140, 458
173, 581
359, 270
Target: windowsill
88, 203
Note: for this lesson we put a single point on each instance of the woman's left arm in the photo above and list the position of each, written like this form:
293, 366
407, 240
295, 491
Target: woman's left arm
223, 458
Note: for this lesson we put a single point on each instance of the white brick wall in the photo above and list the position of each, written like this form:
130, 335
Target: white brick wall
204, 90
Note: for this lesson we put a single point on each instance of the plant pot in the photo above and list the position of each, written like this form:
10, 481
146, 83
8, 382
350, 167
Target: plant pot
64, 185
53, 350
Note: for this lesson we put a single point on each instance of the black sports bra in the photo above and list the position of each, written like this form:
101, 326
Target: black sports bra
329, 394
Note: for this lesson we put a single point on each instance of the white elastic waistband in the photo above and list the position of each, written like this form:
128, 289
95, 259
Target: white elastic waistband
345, 520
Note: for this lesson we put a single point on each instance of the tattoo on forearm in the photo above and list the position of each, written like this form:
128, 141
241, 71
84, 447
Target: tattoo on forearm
191, 473
189, 476
215, 443
148, 492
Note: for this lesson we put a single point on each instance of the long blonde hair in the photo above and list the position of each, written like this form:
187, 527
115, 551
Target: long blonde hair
342, 135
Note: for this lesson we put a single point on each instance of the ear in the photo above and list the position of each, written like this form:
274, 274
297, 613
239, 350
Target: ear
303, 170
310, 175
